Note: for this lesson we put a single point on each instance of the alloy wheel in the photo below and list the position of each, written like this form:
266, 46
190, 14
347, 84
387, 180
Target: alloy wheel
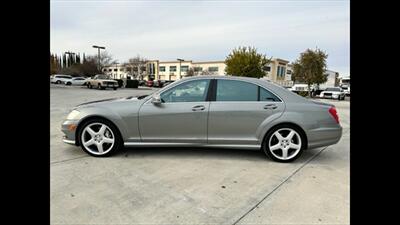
285, 143
97, 138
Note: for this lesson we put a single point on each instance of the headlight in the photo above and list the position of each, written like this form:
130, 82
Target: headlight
73, 114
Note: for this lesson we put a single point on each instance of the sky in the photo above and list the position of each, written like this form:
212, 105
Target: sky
202, 30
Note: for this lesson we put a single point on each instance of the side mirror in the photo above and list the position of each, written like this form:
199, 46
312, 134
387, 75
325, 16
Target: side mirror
156, 100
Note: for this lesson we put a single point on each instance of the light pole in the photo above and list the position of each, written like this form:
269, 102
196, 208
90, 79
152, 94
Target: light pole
180, 63
98, 50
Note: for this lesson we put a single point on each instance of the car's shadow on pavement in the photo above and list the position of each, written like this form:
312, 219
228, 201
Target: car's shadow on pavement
205, 153
192, 152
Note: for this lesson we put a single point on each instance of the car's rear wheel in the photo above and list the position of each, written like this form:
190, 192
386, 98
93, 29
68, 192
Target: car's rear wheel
115, 88
68, 83
284, 143
99, 137
58, 82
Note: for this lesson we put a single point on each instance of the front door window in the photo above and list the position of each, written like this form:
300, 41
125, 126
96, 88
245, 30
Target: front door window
192, 91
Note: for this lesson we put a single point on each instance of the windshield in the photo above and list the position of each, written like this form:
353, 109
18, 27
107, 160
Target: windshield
333, 89
103, 77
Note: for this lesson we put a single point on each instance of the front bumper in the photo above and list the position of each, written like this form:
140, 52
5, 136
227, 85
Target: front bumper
109, 85
69, 127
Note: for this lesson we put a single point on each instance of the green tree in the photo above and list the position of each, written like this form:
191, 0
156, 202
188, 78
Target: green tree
246, 62
310, 67
86, 69
53, 64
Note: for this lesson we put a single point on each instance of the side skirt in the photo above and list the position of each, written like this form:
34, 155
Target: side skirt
170, 144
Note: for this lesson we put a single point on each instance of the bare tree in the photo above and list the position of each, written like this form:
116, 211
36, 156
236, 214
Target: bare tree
106, 59
136, 66
190, 72
206, 72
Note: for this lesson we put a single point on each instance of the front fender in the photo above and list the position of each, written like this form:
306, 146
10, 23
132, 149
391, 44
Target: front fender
106, 113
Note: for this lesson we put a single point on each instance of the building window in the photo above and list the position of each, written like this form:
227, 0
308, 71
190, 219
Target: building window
198, 69
172, 68
213, 69
281, 71
267, 68
109, 70
184, 68
115, 70
162, 68
289, 72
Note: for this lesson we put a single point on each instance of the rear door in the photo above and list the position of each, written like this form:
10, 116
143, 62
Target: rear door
239, 109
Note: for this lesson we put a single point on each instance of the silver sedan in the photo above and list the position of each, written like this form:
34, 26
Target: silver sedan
207, 111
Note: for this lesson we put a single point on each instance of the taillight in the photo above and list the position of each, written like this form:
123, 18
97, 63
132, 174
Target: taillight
333, 112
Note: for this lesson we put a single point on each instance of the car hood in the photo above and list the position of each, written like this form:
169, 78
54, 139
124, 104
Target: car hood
110, 101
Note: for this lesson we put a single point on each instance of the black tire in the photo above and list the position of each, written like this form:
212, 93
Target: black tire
89, 86
58, 82
68, 83
267, 151
115, 88
118, 144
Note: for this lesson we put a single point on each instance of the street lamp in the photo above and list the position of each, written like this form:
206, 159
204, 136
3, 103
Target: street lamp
180, 63
98, 50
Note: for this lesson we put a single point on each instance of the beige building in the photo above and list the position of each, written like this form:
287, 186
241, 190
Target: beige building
175, 70
278, 70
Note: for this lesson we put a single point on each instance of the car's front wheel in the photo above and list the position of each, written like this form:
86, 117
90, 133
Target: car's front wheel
284, 143
99, 137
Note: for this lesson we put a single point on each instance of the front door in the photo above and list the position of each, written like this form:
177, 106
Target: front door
180, 118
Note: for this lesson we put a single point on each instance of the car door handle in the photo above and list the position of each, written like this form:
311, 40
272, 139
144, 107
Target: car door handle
270, 106
198, 108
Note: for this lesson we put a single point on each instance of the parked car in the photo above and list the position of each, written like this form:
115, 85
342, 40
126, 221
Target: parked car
142, 82
60, 79
346, 89
168, 82
102, 82
149, 83
79, 81
159, 83
207, 111
333, 92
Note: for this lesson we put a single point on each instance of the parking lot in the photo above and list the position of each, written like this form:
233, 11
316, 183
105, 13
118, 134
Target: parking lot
192, 185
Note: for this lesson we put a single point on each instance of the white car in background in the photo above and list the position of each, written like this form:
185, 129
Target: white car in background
79, 81
60, 79
333, 92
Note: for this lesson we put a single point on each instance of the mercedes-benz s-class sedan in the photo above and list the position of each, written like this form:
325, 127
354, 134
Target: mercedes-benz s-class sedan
207, 111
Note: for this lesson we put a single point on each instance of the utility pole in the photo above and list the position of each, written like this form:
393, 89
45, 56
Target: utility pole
98, 51
180, 63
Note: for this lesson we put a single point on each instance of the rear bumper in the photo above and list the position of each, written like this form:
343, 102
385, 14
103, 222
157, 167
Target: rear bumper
324, 136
